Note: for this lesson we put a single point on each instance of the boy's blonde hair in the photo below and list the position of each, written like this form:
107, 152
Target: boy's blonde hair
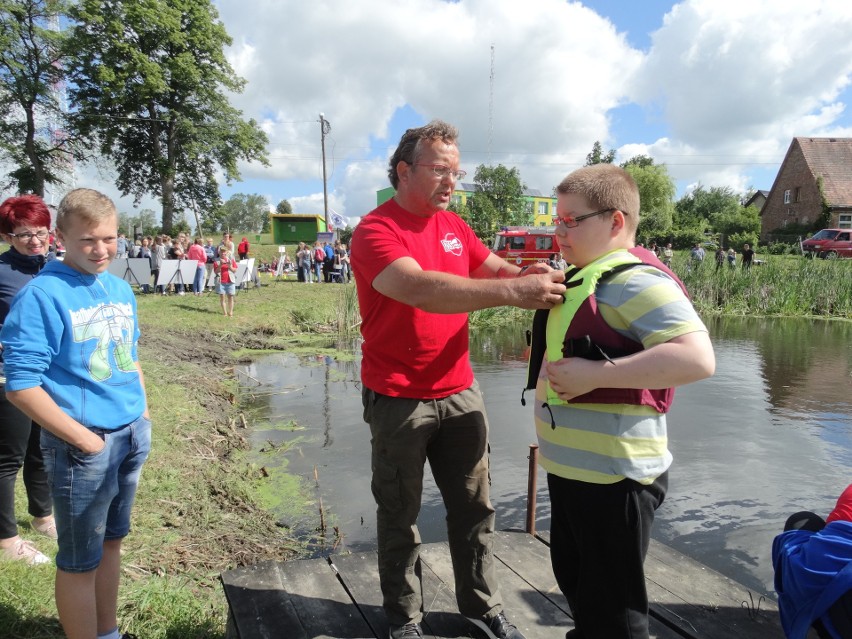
605, 186
88, 205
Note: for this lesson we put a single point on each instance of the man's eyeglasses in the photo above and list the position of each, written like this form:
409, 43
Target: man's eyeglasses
572, 222
443, 171
26, 237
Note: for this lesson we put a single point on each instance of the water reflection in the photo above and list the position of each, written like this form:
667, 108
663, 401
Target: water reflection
768, 435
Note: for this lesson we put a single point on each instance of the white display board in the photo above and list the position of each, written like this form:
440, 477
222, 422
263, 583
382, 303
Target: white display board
177, 272
134, 270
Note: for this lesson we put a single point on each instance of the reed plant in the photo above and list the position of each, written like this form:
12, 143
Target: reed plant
779, 286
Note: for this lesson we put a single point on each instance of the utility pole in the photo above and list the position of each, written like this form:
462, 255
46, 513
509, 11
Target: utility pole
325, 128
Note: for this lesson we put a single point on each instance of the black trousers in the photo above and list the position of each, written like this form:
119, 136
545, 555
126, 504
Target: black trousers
599, 536
20, 446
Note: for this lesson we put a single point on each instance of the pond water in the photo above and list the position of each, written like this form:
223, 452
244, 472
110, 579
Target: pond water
768, 435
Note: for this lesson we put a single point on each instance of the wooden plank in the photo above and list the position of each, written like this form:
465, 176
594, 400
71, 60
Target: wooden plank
323, 606
258, 604
680, 588
529, 557
361, 576
535, 616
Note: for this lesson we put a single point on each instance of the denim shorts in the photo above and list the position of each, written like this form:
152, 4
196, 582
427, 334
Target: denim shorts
93, 494
227, 289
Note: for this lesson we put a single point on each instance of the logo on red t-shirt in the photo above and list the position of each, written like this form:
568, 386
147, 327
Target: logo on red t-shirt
452, 244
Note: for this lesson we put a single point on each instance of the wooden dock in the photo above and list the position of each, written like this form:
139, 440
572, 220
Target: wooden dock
339, 597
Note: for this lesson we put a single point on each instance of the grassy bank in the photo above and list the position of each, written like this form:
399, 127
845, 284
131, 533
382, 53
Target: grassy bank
198, 510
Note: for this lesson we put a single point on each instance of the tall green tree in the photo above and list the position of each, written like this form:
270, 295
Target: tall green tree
241, 213
284, 208
656, 197
33, 134
149, 83
597, 156
504, 189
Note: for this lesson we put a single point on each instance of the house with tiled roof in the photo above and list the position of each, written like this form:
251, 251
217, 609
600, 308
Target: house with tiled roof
815, 172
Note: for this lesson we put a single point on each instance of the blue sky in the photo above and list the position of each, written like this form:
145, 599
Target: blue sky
715, 89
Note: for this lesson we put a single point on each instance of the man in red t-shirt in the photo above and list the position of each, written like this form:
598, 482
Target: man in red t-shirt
419, 270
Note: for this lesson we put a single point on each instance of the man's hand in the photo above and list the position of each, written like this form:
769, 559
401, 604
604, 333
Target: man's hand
537, 268
543, 290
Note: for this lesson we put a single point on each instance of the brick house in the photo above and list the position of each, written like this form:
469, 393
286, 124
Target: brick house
795, 196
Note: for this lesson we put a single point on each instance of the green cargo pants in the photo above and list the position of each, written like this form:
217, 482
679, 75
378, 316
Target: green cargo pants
452, 433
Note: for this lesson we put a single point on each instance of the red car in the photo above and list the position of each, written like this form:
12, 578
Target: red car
829, 243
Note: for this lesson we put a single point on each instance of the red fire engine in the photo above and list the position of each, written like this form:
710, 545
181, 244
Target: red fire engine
524, 245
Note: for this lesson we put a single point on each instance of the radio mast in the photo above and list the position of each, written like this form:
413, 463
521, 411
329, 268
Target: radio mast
491, 105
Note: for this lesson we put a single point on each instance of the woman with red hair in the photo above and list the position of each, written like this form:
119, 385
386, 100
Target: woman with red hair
25, 226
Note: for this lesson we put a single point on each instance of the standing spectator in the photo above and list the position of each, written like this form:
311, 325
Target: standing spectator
747, 256
732, 257
196, 252
303, 260
122, 246
228, 242
318, 257
720, 258
243, 249
226, 267
346, 261
210, 253
145, 253
24, 224
697, 254
668, 254
176, 252
158, 254
328, 261
420, 271
89, 397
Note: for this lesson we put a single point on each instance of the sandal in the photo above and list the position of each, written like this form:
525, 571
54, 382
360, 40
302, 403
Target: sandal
48, 528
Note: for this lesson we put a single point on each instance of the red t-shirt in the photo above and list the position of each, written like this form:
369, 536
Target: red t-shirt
225, 275
408, 352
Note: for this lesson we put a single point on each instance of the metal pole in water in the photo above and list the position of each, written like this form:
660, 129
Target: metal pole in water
531, 488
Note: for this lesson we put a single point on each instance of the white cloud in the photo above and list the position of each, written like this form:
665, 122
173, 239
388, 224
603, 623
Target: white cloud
723, 87
738, 80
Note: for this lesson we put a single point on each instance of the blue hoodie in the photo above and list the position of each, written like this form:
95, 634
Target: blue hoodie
812, 571
75, 335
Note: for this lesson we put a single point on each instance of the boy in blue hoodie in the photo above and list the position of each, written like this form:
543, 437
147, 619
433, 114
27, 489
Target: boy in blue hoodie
69, 347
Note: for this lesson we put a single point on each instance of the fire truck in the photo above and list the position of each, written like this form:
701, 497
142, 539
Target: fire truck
524, 245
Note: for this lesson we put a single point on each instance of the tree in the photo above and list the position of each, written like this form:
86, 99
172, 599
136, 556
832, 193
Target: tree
144, 223
33, 135
656, 197
149, 83
497, 201
240, 213
481, 216
597, 156
284, 208
701, 205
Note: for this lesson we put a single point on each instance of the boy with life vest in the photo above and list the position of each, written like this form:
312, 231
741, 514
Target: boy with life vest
604, 365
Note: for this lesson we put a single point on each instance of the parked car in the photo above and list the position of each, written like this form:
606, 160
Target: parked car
829, 243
